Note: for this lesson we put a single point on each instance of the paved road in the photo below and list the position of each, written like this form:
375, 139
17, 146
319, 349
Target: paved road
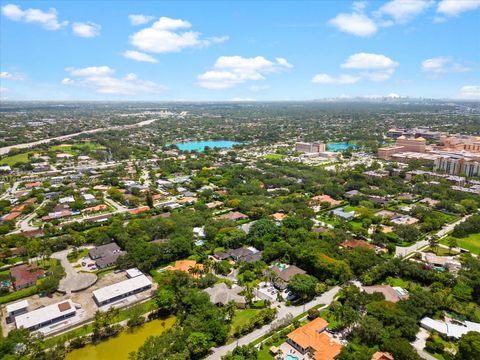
6, 149
283, 311
405, 251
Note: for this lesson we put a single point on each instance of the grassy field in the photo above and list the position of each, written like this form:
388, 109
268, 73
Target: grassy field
75, 147
471, 242
242, 317
274, 156
12, 160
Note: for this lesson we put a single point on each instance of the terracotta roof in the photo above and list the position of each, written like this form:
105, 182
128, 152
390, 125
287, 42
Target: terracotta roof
19, 208
139, 210
64, 306
33, 184
279, 216
351, 244
100, 207
11, 216
184, 265
311, 335
324, 198
382, 356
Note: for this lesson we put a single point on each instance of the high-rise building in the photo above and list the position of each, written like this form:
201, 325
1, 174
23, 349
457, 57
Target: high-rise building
309, 148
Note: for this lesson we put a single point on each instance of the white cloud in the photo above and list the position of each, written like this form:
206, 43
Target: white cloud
11, 76
168, 35
375, 67
101, 80
325, 79
229, 71
456, 7
359, 5
435, 67
470, 92
86, 30
48, 19
139, 56
356, 23
139, 19
91, 71
403, 11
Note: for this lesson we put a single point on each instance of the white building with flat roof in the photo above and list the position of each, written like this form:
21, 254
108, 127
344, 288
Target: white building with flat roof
449, 329
15, 309
47, 315
133, 272
121, 290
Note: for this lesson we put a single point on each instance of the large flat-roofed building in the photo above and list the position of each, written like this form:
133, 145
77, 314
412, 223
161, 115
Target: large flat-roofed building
458, 163
121, 290
461, 142
308, 148
403, 144
47, 315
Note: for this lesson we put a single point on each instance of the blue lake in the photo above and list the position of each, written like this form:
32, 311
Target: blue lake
340, 146
200, 145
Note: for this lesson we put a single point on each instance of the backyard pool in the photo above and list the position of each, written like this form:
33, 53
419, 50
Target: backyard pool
291, 357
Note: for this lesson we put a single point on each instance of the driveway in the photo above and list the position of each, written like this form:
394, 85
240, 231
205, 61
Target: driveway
73, 281
283, 311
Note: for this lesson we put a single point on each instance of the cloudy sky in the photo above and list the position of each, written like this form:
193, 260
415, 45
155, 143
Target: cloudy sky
272, 50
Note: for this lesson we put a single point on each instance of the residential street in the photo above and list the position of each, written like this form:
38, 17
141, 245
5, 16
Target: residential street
405, 251
283, 311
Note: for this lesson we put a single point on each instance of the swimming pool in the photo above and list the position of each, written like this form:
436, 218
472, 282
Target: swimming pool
291, 357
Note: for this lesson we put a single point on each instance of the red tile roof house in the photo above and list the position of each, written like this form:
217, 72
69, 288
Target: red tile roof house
317, 200
352, 244
25, 275
234, 215
11, 216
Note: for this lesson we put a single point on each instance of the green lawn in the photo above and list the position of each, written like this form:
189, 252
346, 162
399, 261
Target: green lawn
396, 282
72, 257
274, 156
17, 295
12, 160
242, 317
471, 242
71, 148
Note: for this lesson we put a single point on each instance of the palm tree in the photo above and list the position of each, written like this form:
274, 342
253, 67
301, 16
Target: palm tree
230, 309
433, 241
452, 242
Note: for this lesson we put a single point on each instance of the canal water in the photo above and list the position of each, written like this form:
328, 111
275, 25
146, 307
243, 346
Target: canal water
118, 347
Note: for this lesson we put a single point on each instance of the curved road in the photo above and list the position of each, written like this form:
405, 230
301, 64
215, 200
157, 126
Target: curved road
326, 299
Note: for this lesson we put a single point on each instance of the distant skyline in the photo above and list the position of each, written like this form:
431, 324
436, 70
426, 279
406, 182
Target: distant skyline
239, 50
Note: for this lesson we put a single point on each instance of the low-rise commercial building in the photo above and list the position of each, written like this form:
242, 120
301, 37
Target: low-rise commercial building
47, 315
115, 292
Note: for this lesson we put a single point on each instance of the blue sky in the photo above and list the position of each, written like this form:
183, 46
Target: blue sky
272, 50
